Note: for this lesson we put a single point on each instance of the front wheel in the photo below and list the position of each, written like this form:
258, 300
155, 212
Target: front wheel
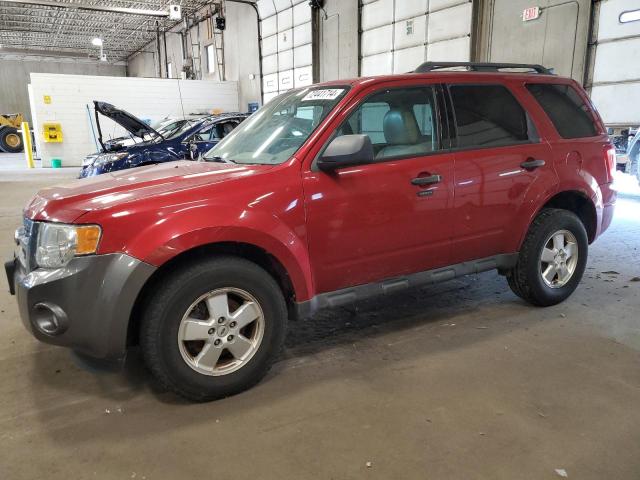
552, 258
10, 140
213, 328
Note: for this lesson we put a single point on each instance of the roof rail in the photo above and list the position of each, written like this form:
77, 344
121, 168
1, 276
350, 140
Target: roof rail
480, 67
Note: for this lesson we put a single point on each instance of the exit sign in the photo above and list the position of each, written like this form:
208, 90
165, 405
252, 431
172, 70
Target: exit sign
530, 13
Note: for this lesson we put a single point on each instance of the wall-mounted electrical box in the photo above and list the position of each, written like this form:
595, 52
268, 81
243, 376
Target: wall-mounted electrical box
52, 132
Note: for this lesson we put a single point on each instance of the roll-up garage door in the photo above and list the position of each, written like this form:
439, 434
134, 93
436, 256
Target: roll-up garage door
616, 75
285, 28
398, 35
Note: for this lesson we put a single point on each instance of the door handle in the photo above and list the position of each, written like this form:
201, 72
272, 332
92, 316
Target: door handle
430, 180
532, 164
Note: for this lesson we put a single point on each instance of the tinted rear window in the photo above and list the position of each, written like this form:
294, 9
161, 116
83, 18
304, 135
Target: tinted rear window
489, 116
565, 108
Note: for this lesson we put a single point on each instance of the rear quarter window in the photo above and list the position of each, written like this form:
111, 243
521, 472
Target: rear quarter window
565, 108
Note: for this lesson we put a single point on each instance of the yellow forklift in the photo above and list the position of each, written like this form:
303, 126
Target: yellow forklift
10, 138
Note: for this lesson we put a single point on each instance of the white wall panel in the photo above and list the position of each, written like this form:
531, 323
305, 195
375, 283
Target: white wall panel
377, 64
269, 26
616, 74
399, 34
303, 76
435, 5
609, 25
147, 98
285, 80
301, 13
268, 96
282, 4
285, 60
376, 14
449, 23
269, 64
612, 63
269, 45
285, 39
285, 19
406, 60
302, 34
410, 32
613, 101
292, 34
455, 50
266, 8
270, 83
377, 40
408, 9
302, 56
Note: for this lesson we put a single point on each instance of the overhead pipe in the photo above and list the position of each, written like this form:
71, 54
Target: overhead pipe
94, 8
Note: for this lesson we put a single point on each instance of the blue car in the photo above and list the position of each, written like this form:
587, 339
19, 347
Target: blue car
186, 140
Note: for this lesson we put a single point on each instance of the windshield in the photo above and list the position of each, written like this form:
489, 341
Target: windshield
187, 125
276, 131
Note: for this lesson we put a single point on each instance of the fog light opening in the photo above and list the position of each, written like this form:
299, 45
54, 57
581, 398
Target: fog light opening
49, 319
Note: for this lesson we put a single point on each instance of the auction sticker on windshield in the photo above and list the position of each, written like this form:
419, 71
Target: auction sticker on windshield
323, 94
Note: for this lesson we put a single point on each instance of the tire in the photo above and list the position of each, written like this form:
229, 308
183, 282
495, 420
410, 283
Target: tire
10, 140
526, 278
166, 335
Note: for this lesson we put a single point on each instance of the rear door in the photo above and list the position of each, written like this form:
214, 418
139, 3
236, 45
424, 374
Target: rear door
391, 217
499, 158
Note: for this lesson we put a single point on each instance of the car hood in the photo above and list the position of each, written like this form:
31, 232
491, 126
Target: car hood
68, 202
129, 122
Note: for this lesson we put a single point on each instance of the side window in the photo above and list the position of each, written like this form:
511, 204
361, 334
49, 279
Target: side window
205, 134
489, 116
565, 108
399, 122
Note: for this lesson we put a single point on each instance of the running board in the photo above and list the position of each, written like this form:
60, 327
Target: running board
349, 295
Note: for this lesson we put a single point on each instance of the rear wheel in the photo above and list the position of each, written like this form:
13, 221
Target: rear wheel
10, 140
552, 258
213, 328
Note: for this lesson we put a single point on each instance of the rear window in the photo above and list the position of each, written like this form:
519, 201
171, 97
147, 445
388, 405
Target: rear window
489, 116
565, 108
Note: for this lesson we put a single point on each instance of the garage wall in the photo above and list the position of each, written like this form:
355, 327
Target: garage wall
616, 73
286, 45
147, 98
398, 35
339, 40
15, 70
556, 39
241, 53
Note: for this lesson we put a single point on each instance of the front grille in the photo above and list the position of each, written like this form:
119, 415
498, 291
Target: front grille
25, 238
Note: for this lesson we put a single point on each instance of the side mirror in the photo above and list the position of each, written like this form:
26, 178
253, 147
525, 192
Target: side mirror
346, 151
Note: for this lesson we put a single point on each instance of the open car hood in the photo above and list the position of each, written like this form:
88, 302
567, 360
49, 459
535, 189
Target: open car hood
129, 122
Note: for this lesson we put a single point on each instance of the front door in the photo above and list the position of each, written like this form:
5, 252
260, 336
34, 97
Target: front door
391, 217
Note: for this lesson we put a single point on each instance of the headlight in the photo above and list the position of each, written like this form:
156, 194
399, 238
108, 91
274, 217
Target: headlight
110, 157
58, 243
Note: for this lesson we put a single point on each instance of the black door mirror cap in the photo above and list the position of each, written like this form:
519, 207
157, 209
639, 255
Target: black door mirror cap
346, 151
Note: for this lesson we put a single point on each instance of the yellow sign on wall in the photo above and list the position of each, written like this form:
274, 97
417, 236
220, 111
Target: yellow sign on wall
52, 132
47, 99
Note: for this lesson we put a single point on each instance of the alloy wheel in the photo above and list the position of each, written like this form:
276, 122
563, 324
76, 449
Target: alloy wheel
221, 331
559, 259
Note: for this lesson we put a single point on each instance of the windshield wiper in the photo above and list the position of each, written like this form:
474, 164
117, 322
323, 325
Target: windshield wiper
218, 159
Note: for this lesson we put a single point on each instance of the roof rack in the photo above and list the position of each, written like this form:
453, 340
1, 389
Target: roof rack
480, 67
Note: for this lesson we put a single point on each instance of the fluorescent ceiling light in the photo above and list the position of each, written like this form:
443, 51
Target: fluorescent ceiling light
96, 42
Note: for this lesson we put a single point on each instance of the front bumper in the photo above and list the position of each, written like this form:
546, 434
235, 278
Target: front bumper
85, 305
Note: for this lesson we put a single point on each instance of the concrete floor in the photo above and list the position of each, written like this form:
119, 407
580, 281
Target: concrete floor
457, 381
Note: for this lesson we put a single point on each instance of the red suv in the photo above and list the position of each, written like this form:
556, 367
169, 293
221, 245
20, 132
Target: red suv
327, 195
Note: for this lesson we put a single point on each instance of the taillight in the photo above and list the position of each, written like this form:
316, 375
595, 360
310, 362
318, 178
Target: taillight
610, 158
